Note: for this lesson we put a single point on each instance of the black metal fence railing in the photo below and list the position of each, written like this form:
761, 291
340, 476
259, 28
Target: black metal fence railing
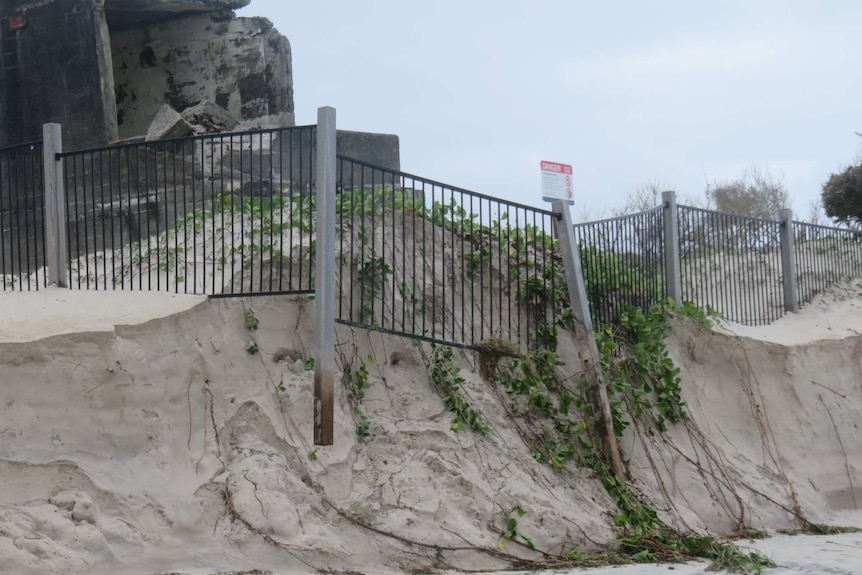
825, 256
234, 214
731, 264
218, 214
22, 217
421, 258
623, 261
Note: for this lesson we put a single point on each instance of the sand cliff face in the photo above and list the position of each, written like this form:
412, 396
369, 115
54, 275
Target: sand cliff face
165, 445
771, 433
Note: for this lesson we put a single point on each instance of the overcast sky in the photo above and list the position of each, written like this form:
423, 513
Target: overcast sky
676, 92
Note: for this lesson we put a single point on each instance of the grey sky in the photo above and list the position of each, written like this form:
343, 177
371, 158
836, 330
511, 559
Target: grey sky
677, 92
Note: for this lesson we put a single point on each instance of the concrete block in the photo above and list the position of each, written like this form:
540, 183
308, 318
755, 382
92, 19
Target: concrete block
208, 118
168, 123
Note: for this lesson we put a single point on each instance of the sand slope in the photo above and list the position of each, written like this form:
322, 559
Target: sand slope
772, 438
154, 442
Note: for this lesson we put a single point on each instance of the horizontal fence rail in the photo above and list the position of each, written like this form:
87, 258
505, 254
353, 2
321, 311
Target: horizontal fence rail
731, 264
421, 258
824, 257
623, 262
224, 214
22, 218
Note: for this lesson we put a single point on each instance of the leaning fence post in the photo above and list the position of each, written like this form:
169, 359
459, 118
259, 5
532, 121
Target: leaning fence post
55, 205
581, 312
324, 287
673, 278
788, 262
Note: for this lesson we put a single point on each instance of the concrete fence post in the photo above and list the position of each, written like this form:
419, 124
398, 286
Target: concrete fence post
673, 277
788, 262
55, 205
581, 311
324, 286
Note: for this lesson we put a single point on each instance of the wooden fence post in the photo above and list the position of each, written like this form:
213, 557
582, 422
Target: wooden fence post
581, 311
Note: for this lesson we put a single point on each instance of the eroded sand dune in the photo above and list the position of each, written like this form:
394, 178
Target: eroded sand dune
141, 436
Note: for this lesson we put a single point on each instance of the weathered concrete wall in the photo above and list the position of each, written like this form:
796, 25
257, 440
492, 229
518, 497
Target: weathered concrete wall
53, 70
289, 160
137, 13
242, 64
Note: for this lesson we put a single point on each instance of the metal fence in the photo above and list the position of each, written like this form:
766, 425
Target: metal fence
824, 256
234, 214
22, 217
224, 214
731, 264
443, 264
623, 261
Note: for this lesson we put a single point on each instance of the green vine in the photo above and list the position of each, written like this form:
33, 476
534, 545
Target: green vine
643, 377
355, 381
641, 374
445, 375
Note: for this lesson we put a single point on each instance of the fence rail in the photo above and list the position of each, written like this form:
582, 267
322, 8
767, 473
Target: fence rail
218, 214
234, 214
444, 264
22, 217
623, 262
731, 264
825, 256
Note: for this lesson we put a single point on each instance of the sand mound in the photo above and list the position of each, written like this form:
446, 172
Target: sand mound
140, 435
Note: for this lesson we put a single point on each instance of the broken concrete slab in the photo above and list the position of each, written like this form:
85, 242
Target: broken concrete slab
168, 123
208, 118
242, 65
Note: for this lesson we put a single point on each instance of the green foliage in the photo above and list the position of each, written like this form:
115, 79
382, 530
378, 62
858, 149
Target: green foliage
362, 203
637, 363
842, 196
355, 381
261, 221
562, 433
614, 282
647, 539
251, 321
371, 275
690, 310
312, 455
445, 375
634, 351
510, 531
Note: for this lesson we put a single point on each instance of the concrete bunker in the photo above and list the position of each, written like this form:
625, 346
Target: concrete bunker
103, 68
183, 52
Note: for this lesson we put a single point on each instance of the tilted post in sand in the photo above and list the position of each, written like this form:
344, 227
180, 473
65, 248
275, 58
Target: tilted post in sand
581, 311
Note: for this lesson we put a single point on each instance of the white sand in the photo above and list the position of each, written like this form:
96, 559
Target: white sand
834, 314
122, 435
29, 316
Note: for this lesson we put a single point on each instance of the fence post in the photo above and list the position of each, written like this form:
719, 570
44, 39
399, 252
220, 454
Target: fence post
581, 312
788, 262
673, 278
324, 287
55, 205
